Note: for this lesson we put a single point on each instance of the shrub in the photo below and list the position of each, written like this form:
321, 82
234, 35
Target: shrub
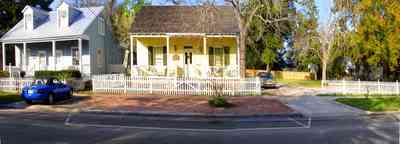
63, 74
4, 74
218, 101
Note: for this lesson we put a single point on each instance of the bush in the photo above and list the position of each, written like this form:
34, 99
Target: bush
4, 74
64, 74
218, 101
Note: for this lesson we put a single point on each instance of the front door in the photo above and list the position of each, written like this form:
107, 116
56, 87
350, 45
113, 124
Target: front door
188, 60
42, 60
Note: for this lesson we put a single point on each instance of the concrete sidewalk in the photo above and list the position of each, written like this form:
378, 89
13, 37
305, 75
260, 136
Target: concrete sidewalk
315, 106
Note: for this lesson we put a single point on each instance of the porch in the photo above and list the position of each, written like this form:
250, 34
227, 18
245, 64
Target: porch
72, 54
185, 55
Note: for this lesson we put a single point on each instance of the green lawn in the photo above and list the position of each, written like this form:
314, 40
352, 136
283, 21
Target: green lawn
300, 83
9, 97
373, 104
357, 95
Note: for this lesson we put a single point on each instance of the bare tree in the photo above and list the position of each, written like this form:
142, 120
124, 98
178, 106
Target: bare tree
327, 35
246, 11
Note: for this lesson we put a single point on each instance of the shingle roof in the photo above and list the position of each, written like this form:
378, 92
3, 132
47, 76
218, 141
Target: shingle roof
185, 19
49, 29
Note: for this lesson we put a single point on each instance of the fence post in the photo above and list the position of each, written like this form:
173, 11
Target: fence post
359, 86
151, 85
397, 87
125, 85
379, 87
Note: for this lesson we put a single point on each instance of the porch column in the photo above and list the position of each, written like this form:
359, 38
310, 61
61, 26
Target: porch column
4, 55
206, 67
24, 58
54, 54
80, 55
168, 63
131, 53
238, 55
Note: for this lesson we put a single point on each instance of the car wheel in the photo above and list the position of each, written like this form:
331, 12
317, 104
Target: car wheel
50, 100
71, 93
29, 102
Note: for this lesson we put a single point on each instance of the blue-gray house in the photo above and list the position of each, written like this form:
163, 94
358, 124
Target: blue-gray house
66, 38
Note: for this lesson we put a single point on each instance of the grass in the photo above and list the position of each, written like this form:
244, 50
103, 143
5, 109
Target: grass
356, 95
300, 83
9, 97
373, 104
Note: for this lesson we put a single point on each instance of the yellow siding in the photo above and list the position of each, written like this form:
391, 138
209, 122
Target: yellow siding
176, 49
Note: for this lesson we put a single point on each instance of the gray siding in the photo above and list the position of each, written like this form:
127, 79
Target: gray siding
112, 53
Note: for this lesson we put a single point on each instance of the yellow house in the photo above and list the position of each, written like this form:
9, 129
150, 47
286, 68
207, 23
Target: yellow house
185, 41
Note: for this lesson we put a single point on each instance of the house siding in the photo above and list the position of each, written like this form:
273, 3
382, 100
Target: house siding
112, 53
177, 45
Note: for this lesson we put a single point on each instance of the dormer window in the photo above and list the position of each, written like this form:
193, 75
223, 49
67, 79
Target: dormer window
63, 20
101, 26
28, 21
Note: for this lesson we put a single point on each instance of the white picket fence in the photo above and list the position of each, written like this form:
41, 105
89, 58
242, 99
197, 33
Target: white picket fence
14, 84
362, 87
119, 84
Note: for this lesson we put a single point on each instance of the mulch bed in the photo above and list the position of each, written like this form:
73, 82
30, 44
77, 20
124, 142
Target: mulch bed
186, 104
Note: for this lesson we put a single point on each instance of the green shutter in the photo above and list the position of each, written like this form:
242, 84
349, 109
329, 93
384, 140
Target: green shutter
211, 56
227, 56
151, 56
165, 56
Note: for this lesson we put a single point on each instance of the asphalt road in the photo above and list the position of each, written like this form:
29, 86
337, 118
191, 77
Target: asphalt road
50, 128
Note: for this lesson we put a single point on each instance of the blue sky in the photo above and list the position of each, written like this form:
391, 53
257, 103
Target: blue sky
323, 6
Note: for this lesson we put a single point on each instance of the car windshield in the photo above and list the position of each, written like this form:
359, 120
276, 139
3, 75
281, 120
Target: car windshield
39, 82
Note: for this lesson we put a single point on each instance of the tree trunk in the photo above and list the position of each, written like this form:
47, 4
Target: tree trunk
242, 49
267, 68
324, 66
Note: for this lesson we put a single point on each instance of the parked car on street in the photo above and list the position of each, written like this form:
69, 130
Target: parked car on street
48, 90
267, 80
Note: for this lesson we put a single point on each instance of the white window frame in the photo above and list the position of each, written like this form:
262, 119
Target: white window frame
77, 57
28, 17
99, 57
101, 28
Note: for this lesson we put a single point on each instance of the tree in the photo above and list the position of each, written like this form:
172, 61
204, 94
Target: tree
246, 11
306, 37
10, 13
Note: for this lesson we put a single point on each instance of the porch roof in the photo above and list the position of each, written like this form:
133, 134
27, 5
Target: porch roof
185, 19
48, 31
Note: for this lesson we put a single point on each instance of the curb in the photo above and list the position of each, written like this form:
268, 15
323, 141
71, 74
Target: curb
193, 115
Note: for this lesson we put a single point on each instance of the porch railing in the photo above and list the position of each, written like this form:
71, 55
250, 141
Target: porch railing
193, 71
117, 84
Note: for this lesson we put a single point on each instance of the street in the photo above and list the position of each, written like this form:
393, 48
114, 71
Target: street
50, 128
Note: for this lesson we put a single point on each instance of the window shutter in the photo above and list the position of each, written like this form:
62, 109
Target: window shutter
165, 55
227, 56
151, 59
211, 56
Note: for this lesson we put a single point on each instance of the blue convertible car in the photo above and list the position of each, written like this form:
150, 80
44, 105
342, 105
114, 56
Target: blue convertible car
49, 91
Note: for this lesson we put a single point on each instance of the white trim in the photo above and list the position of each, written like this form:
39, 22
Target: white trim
4, 56
24, 61
53, 43
149, 36
80, 55
131, 53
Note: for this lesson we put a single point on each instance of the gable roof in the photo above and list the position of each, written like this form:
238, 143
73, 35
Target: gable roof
185, 19
48, 30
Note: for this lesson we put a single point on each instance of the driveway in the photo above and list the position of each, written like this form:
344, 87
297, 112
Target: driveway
315, 106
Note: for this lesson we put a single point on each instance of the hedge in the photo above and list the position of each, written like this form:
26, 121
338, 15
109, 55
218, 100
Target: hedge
4, 74
48, 74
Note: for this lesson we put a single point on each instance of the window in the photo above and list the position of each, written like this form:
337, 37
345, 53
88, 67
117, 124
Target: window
101, 26
99, 57
218, 56
75, 56
59, 54
28, 21
62, 18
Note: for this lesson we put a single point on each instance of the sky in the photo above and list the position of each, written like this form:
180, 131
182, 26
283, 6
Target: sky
323, 6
